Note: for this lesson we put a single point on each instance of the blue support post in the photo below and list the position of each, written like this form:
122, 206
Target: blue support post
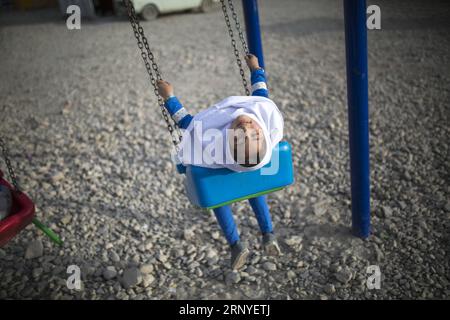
358, 113
252, 28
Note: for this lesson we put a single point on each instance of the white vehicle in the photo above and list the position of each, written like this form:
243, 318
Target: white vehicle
150, 9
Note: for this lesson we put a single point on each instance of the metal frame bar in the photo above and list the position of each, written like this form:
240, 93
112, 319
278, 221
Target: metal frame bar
358, 113
357, 96
252, 29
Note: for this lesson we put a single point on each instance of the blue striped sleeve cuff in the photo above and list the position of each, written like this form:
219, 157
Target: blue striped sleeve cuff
259, 85
178, 113
173, 105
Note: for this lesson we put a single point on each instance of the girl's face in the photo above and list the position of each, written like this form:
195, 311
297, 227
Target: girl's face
244, 121
249, 137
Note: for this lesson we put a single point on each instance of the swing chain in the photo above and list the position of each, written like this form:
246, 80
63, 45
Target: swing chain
233, 41
152, 69
238, 27
12, 174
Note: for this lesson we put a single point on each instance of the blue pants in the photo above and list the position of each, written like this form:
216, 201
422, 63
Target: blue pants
225, 218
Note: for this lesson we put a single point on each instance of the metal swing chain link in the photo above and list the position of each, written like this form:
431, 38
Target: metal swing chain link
233, 44
152, 69
12, 174
139, 34
238, 27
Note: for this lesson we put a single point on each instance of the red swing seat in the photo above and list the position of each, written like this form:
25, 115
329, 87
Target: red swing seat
22, 213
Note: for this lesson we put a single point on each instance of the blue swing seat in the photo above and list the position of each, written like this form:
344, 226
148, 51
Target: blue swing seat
212, 188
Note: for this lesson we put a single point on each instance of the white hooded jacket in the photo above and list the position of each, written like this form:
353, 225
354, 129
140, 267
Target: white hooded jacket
202, 146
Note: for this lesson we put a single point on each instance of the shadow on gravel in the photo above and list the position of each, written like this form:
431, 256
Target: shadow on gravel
329, 231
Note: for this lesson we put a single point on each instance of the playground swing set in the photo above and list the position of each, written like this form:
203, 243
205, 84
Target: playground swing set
211, 188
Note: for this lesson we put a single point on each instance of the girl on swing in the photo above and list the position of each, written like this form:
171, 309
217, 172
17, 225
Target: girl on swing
257, 127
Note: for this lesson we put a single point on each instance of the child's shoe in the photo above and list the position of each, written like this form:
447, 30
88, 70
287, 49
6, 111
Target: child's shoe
270, 244
239, 254
5, 202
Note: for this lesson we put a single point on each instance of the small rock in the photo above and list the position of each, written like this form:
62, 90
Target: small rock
146, 269
58, 177
378, 253
37, 272
114, 256
287, 214
343, 276
232, 277
215, 235
269, 266
320, 208
168, 193
211, 254
35, 250
149, 245
188, 234
148, 279
86, 270
291, 275
387, 211
163, 258
329, 288
66, 219
447, 206
109, 273
295, 242
130, 278
251, 270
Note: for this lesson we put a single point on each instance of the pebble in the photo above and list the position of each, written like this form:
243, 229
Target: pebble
295, 242
215, 235
387, 211
66, 219
329, 288
34, 250
146, 268
163, 258
344, 276
130, 278
251, 270
37, 272
212, 254
188, 234
57, 177
109, 273
232, 277
320, 208
148, 279
269, 266
113, 256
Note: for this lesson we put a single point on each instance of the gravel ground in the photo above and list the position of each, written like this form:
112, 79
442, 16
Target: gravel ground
92, 151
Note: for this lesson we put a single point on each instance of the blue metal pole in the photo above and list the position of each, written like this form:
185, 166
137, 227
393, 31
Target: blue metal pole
252, 28
358, 113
